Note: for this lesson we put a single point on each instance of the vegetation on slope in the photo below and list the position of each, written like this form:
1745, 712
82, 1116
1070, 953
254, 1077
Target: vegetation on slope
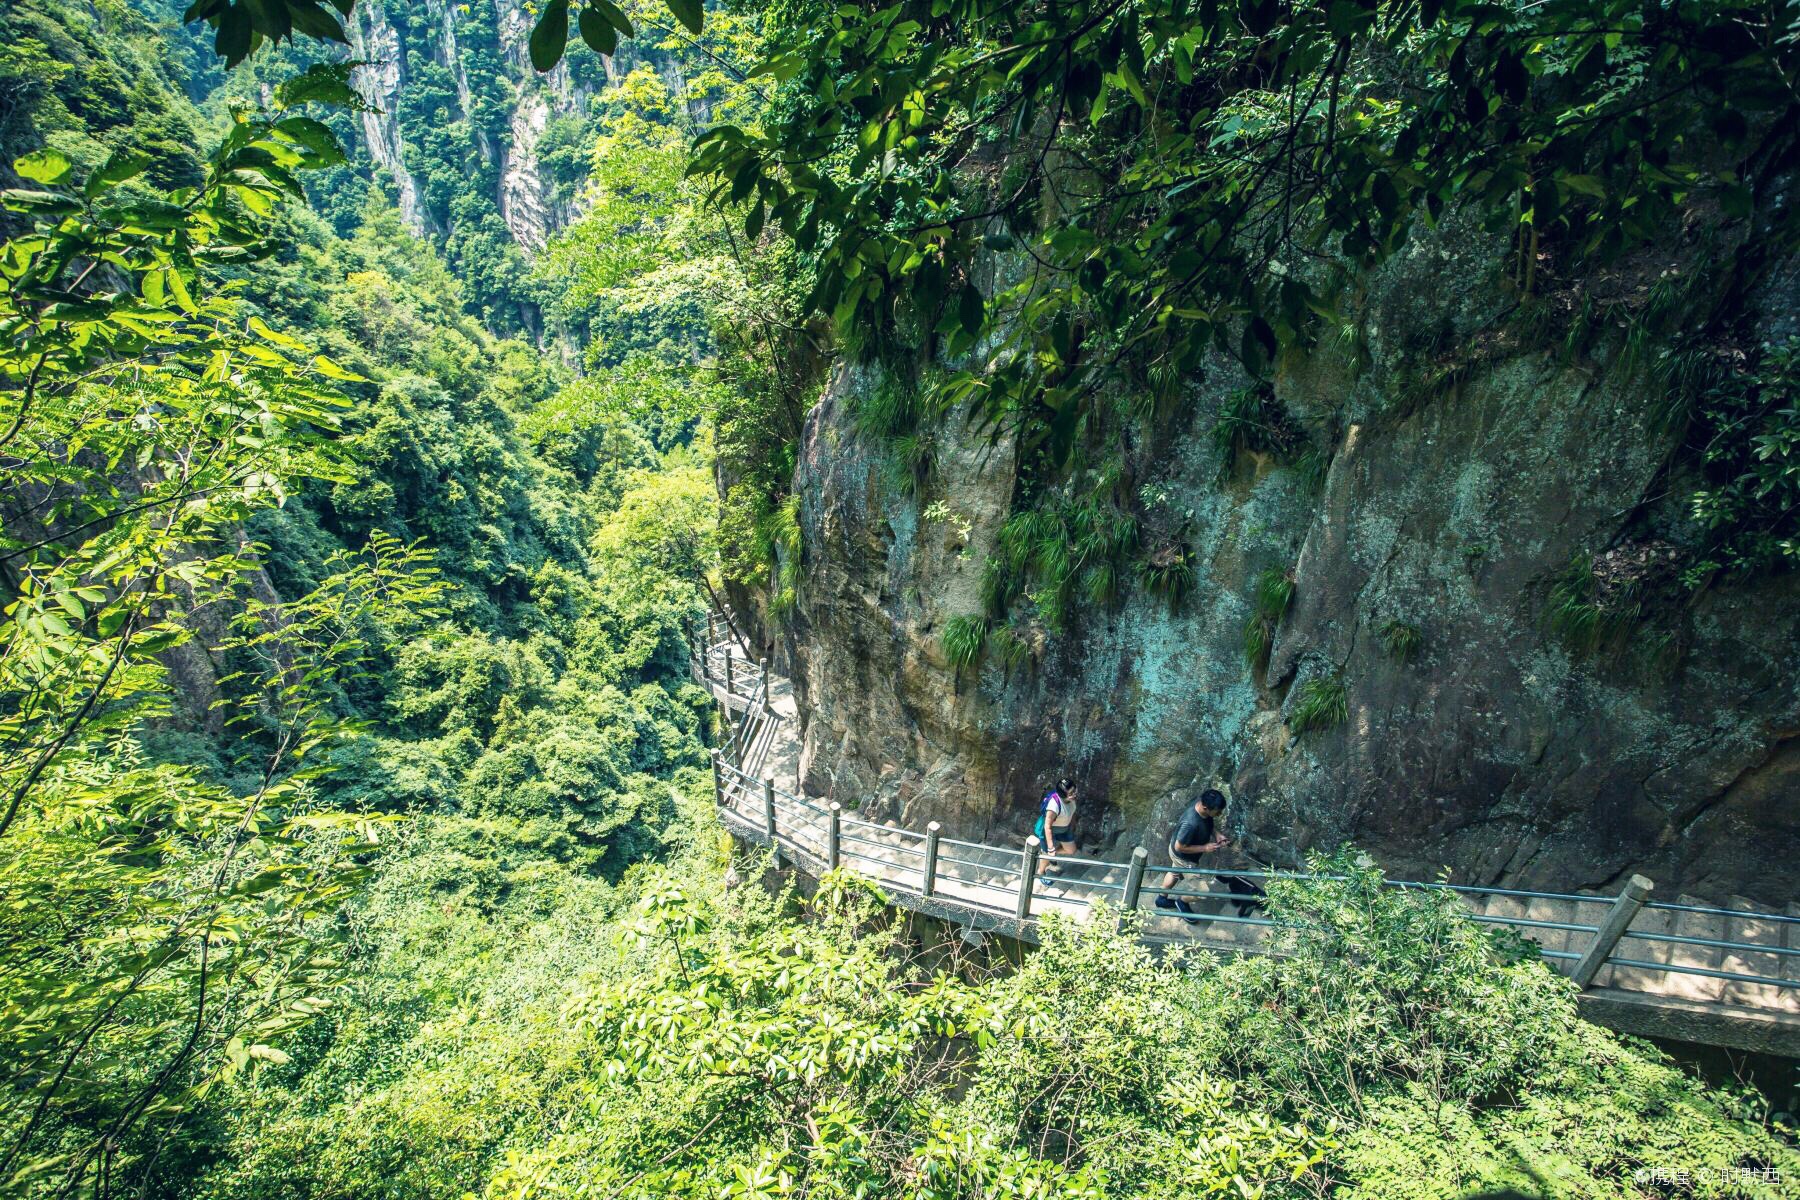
288, 563
523, 1033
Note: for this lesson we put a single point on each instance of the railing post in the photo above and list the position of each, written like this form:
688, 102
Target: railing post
765, 683
929, 883
1023, 910
729, 673
769, 809
1631, 899
833, 830
718, 779
1134, 880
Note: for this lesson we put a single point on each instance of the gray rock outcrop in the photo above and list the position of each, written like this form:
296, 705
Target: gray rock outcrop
1452, 502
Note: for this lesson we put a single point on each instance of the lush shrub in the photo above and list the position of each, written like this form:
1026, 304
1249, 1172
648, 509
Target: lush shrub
527, 1032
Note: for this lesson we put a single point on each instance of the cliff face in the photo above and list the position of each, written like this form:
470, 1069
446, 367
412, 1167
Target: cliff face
375, 42
505, 128
1468, 468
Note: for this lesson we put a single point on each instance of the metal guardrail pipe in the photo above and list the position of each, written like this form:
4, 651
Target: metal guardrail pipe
928, 878
834, 832
1631, 898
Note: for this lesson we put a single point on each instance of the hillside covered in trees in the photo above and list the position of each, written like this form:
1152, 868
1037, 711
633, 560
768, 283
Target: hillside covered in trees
387, 390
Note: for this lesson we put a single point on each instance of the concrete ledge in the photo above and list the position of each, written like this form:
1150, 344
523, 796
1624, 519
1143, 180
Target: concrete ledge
1708, 1023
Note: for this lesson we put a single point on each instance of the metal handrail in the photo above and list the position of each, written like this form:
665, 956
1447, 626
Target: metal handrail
964, 862
1209, 918
1494, 891
1711, 943
950, 841
1496, 919
1077, 860
1065, 881
864, 857
1684, 969
864, 841
821, 835
1741, 913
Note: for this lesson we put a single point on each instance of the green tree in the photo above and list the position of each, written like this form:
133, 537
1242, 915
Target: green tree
163, 929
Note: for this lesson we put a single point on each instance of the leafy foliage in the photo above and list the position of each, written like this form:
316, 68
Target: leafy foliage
1074, 543
1252, 420
1401, 639
1575, 613
228, 660
1747, 430
964, 639
1320, 703
243, 26
1274, 594
167, 926
1237, 143
1168, 573
728, 1042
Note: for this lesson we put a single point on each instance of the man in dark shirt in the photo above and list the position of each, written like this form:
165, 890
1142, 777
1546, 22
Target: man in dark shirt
1196, 835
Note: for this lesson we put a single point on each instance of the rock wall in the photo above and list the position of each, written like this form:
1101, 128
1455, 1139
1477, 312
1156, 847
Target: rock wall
1450, 504
376, 43
522, 196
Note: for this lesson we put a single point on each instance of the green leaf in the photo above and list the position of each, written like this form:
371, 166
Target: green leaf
613, 15
53, 204
269, 18
154, 214
47, 167
1349, 18
689, 12
261, 329
313, 21
123, 165
1586, 185
550, 35
1257, 346
232, 41
331, 370
157, 641
322, 83
314, 135
970, 308
597, 32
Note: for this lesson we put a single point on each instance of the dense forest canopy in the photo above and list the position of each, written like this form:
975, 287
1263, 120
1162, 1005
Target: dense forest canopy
354, 814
